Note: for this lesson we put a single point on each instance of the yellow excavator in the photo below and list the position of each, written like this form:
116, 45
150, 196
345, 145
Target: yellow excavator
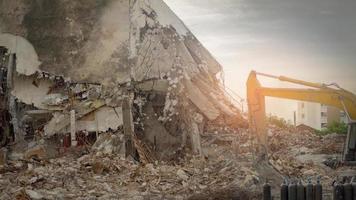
327, 94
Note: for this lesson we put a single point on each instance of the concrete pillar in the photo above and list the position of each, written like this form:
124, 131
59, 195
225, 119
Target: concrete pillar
73, 128
19, 135
128, 126
195, 133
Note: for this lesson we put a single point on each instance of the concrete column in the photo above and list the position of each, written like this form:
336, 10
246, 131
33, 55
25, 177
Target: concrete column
19, 135
128, 126
73, 128
195, 137
195, 133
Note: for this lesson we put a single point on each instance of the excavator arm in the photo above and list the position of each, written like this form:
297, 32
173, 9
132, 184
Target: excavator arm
321, 93
326, 97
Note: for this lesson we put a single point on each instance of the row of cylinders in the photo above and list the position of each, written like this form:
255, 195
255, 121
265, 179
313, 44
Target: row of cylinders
346, 191
296, 191
310, 191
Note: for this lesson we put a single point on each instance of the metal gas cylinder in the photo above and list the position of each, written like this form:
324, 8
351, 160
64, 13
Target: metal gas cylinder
300, 191
284, 190
267, 194
348, 191
318, 190
338, 191
353, 184
292, 191
309, 191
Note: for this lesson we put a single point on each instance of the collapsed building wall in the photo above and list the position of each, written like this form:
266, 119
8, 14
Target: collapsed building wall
88, 56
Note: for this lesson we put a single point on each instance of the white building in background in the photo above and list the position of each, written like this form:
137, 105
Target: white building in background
318, 116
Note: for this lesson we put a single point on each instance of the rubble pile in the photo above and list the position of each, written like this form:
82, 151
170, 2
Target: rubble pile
332, 143
286, 144
300, 153
104, 175
226, 169
305, 141
295, 137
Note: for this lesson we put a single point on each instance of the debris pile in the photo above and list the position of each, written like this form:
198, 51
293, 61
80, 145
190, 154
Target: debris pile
299, 153
295, 137
102, 174
332, 144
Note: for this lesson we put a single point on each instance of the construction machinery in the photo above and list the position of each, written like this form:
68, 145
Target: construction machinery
327, 94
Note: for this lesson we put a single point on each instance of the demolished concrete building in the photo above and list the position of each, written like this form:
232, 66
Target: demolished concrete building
120, 78
130, 67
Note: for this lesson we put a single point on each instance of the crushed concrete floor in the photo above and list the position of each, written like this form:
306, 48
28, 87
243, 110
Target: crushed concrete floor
225, 170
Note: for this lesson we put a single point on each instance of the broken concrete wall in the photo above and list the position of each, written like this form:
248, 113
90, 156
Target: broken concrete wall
163, 142
101, 120
73, 38
85, 57
27, 62
57, 29
29, 90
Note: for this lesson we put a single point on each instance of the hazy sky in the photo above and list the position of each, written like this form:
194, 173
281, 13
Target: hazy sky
313, 40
